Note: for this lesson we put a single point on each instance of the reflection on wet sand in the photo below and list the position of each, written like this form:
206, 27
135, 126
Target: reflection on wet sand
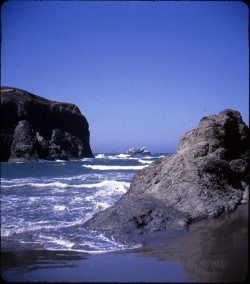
31, 260
214, 250
210, 251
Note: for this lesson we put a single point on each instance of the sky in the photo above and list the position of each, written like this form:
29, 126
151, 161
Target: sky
141, 72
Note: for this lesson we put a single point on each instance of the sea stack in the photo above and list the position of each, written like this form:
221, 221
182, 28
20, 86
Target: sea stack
34, 128
138, 151
206, 177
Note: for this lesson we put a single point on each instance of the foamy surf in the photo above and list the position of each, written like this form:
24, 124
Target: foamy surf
113, 168
95, 243
145, 162
114, 157
44, 206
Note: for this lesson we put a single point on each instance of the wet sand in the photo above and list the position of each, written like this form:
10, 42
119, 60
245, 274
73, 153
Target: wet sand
213, 250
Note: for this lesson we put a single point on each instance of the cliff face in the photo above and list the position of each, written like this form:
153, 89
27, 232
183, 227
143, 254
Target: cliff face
208, 175
34, 128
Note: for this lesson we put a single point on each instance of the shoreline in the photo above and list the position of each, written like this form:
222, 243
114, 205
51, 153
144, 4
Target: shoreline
211, 250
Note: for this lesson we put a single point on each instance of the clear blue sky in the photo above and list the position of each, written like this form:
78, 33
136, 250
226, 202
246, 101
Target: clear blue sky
142, 72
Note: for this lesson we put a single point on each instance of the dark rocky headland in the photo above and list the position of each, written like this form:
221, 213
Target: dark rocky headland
206, 177
34, 128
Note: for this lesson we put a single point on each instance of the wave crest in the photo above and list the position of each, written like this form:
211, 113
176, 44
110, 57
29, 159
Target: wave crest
110, 168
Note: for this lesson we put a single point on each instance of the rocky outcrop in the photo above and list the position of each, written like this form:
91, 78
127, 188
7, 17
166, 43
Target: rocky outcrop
34, 128
207, 176
140, 151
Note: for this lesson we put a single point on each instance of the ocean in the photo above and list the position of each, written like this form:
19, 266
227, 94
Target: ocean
44, 204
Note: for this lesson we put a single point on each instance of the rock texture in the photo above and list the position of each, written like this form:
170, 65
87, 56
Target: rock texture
206, 177
34, 128
140, 151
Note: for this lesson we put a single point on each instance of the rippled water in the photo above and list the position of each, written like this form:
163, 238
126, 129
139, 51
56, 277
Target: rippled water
43, 204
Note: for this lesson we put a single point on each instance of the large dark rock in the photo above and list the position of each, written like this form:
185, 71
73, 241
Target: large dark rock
206, 177
34, 128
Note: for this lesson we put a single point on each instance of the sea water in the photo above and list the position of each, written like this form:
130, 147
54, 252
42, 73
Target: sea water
44, 204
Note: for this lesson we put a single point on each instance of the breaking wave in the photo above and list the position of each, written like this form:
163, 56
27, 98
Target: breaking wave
44, 205
113, 168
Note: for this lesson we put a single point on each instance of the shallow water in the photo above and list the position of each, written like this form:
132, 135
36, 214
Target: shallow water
213, 250
43, 204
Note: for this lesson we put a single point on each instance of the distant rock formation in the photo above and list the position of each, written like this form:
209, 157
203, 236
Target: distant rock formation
140, 151
209, 175
34, 128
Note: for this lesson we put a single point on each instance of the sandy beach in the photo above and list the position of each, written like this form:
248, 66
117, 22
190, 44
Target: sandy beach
214, 250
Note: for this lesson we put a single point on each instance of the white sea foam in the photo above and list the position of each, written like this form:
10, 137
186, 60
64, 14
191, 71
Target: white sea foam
59, 242
59, 207
60, 161
31, 227
107, 244
148, 157
110, 168
55, 184
93, 243
112, 184
105, 183
116, 157
43, 222
123, 156
72, 178
56, 205
101, 206
104, 197
78, 240
59, 185
145, 162
100, 156
76, 200
6, 232
17, 181
87, 159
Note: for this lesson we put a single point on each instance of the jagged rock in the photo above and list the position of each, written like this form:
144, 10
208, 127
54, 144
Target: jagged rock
34, 128
207, 176
140, 151
23, 145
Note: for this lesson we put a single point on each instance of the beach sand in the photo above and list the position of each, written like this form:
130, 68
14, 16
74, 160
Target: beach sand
214, 250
